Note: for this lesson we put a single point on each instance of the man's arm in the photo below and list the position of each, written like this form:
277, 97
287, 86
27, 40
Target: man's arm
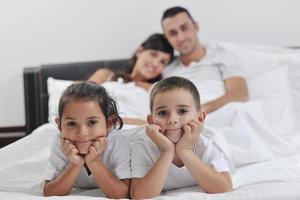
236, 90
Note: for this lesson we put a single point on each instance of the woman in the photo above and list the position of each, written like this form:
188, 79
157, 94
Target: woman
146, 65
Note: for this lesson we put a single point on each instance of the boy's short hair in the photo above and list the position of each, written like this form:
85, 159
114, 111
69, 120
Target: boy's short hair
173, 83
171, 12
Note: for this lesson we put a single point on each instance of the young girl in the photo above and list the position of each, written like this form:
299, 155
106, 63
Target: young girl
173, 153
88, 153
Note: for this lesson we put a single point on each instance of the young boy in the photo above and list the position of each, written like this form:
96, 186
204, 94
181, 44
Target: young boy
174, 153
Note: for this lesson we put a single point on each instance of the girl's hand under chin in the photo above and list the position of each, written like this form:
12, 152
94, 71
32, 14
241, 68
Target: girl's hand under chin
96, 149
71, 152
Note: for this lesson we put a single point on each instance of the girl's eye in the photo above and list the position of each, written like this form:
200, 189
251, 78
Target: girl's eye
71, 124
153, 54
92, 122
182, 111
161, 113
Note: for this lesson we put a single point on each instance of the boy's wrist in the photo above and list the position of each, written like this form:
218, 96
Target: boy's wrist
183, 152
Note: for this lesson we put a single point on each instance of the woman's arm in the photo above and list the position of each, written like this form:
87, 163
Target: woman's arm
62, 184
134, 121
102, 75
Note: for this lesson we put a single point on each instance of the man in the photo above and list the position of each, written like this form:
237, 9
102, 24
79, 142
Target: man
210, 68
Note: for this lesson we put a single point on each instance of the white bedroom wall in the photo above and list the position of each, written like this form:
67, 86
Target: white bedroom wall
33, 32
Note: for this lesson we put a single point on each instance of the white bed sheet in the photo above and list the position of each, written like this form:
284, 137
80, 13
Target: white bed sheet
260, 191
25, 160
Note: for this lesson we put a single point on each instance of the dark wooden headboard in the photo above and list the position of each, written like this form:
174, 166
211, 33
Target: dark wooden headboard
35, 85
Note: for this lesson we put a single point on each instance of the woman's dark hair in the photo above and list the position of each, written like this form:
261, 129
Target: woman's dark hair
91, 92
156, 41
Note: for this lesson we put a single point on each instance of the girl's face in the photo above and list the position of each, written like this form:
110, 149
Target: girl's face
172, 110
82, 123
151, 63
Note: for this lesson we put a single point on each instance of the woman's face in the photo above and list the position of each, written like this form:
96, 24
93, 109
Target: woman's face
151, 63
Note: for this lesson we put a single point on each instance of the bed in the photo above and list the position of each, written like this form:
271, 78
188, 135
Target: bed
267, 165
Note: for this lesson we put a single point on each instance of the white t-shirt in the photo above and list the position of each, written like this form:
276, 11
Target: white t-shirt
144, 154
209, 73
116, 158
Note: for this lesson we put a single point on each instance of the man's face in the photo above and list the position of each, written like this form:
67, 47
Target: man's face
181, 32
172, 110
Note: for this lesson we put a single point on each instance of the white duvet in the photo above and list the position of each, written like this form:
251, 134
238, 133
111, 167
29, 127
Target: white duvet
261, 137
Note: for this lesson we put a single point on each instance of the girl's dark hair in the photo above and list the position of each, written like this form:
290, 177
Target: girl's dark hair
92, 92
156, 41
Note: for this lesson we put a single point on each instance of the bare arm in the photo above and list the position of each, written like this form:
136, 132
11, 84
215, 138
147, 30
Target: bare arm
152, 184
62, 184
134, 121
102, 75
236, 90
108, 182
111, 185
206, 177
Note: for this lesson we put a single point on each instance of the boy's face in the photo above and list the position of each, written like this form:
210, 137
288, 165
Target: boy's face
82, 123
172, 110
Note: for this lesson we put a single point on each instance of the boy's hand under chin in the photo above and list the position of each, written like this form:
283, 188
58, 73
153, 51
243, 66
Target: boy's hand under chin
71, 152
190, 136
163, 143
95, 150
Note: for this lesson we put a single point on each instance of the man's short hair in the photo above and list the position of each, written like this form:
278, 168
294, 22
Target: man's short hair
171, 12
175, 83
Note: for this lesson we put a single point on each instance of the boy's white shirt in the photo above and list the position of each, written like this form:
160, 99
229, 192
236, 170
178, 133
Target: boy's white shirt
116, 158
144, 154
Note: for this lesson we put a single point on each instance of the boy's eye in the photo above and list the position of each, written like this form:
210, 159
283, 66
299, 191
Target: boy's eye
92, 122
71, 124
182, 111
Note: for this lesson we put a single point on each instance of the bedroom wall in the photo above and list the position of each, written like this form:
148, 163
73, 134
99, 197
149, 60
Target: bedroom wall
40, 31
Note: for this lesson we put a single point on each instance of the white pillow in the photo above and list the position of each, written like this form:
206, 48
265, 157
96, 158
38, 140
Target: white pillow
56, 88
132, 100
